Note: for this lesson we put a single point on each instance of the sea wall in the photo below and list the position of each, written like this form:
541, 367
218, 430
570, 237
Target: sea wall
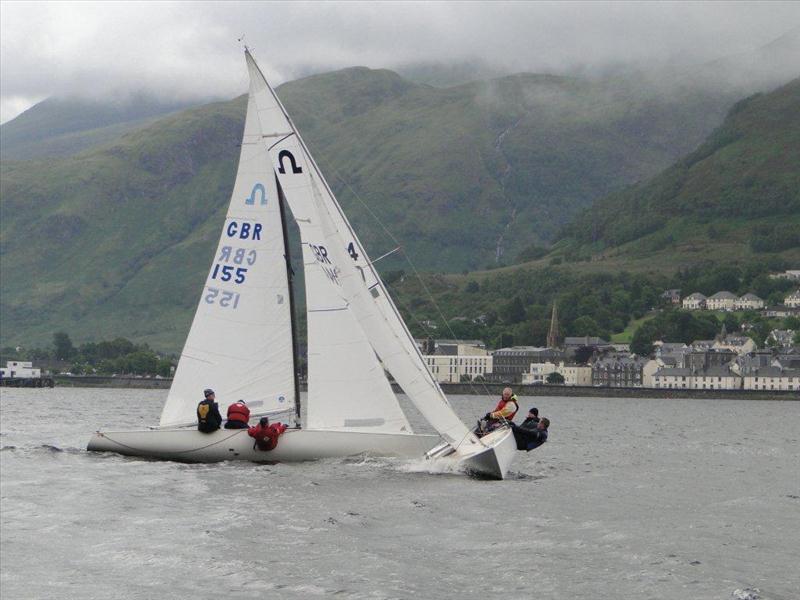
496, 389
478, 389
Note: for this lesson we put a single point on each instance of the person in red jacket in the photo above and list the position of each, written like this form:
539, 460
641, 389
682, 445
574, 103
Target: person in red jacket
505, 410
266, 435
238, 416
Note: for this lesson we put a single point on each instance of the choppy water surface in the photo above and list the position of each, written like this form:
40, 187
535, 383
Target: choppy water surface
628, 499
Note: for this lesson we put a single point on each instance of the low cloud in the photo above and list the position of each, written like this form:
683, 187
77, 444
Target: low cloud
181, 51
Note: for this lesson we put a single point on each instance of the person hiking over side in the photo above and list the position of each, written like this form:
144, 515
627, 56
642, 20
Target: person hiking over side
266, 435
208, 417
530, 438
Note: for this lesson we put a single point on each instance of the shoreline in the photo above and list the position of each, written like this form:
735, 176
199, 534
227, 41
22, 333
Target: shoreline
480, 389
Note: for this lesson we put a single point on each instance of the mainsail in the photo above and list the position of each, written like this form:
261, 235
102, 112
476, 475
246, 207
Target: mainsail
240, 342
333, 245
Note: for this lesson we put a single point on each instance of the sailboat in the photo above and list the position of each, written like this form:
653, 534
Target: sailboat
243, 340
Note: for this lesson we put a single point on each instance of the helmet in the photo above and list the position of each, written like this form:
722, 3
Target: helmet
207, 392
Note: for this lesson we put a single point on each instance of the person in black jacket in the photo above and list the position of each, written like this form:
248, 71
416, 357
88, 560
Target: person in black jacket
532, 419
208, 417
530, 437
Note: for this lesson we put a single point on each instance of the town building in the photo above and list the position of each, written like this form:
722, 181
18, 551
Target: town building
781, 311
16, 369
721, 301
772, 378
739, 344
793, 299
793, 275
711, 378
617, 371
509, 364
573, 374
748, 302
672, 296
573, 343
781, 338
454, 361
696, 301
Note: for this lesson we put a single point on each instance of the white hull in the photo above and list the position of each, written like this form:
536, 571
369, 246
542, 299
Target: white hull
188, 445
493, 459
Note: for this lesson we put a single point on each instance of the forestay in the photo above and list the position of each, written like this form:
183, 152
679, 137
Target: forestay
347, 265
241, 333
347, 386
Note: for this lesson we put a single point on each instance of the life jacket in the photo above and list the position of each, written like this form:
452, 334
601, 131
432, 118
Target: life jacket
266, 438
208, 417
502, 404
238, 411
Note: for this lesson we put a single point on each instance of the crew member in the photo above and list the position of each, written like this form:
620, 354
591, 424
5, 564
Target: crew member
208, 417
530, 438
266, 435
238, 416
532, 419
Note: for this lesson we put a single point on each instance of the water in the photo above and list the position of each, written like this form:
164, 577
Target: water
628, 499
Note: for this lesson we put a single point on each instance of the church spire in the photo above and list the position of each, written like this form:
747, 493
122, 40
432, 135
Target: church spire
554, 335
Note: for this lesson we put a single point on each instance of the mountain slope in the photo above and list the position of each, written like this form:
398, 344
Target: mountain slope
741, 184
66, 126
115, 241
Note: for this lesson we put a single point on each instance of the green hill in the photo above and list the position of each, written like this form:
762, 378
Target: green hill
115, 240
67, 126
739, 191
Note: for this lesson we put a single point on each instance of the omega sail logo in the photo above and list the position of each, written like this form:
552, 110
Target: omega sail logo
286, 154
258, 190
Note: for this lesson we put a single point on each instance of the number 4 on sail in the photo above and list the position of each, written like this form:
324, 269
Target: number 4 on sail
243, 342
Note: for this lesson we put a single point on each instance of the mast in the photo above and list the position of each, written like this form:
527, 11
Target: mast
290, 277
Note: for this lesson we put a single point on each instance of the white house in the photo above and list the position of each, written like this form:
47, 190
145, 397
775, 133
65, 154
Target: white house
696, 301
793, 299
721, 301
773, 378
457, 360
20, 369
748, 302
712, 378
572, 374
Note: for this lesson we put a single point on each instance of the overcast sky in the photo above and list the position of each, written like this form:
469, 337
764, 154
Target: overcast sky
189, 50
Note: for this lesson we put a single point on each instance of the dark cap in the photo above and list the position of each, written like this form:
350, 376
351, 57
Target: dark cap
534, 410
208, 391
263, 421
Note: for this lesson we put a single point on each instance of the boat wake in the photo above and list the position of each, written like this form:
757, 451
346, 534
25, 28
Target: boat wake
430, 467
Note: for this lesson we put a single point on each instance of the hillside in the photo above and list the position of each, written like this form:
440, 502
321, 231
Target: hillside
115, 240
741, 187
67, 126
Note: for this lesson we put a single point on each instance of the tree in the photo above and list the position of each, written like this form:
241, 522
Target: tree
584, 325
513, 311
62, 346
555, 377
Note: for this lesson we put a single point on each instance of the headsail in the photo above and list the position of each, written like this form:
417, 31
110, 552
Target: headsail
349, 265
240, 342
